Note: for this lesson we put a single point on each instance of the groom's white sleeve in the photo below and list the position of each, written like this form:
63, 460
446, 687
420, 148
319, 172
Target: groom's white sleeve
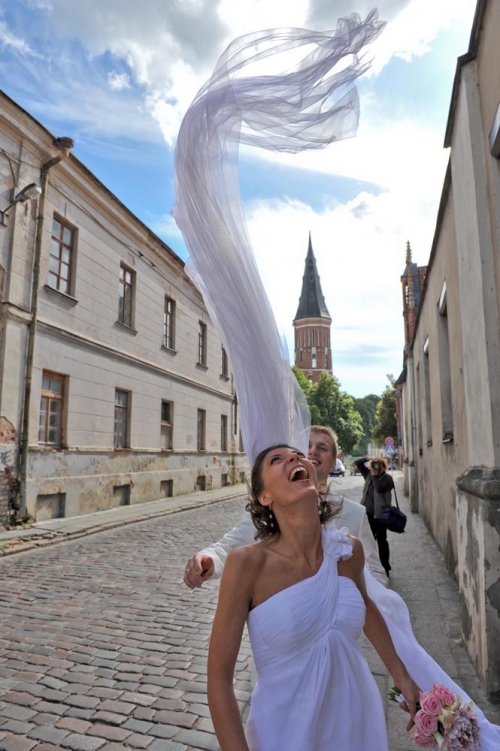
242, 534
353, 516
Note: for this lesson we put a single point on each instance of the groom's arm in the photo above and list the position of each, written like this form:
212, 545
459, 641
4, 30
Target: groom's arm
209, 563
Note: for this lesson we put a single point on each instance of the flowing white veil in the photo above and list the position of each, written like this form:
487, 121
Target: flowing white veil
306, 107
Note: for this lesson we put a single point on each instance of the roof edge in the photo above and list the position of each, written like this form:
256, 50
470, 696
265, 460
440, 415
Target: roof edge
461, 62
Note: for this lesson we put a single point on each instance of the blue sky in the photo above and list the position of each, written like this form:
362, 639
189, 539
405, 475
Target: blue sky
117, 76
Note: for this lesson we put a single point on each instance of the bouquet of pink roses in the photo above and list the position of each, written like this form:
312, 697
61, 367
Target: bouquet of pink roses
443, 721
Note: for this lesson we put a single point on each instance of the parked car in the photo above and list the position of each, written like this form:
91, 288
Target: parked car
338, 470
355, 470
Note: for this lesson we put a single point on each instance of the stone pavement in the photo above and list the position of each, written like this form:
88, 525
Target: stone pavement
102, 646
41, 534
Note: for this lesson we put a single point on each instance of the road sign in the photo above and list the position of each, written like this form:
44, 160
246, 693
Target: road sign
389, 441
390, 450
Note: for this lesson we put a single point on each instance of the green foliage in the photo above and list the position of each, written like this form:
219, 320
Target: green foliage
366, 406
333, 407
386, 423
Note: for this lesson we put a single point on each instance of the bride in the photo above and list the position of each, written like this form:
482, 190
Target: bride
301, 590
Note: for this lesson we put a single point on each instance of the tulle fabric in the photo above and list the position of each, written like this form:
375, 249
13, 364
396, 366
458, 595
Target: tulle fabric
306, 107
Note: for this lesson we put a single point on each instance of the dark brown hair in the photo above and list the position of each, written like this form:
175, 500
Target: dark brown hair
264, 520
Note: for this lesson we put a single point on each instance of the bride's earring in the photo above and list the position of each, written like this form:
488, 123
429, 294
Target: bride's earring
271, 517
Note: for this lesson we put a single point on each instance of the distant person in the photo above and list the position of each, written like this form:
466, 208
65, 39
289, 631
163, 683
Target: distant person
377, 493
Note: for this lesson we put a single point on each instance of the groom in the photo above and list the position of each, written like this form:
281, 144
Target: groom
323, 449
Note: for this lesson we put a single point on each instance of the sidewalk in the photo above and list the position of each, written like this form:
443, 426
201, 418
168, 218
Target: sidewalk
419, 575
45, 533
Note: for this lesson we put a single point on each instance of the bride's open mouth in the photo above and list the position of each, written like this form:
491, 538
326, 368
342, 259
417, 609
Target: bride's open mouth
298, 474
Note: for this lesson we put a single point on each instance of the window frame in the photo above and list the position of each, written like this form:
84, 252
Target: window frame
62, 245
60, 398
169, 328
168, 424
126, 410
223, 433
224, 363
202, 344
201, 430
122, 318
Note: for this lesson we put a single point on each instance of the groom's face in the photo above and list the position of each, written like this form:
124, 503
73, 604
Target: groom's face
321, 455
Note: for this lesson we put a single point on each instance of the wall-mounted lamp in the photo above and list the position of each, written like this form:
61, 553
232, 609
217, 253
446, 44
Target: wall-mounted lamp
33, 190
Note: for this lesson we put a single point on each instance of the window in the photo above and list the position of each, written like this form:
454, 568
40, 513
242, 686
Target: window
444, 368
223, 432
121, 495
169, 323
301, 355
235, 415
121, 419
225, 364
314, 359
167, 488
202, 419
126, 297
51, 506
202, 343
419, 418
51, 409
62, 245
167, 409
427, 395
241, 446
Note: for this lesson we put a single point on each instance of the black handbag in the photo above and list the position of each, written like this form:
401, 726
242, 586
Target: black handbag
393, 518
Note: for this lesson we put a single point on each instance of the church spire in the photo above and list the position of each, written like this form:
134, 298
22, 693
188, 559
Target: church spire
312, 303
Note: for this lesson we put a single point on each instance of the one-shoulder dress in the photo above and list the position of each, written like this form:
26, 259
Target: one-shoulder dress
314, 690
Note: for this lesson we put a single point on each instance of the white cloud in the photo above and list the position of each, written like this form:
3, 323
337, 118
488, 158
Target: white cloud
359, 245
118, 81
171, 48
10, 40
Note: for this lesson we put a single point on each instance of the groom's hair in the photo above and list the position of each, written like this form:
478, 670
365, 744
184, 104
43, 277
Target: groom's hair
332, 435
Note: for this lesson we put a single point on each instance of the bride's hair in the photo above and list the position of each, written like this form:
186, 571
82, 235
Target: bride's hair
264, 520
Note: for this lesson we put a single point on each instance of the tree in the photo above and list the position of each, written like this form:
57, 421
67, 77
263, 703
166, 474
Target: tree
367, 407
333, 407
386, 424
306, 387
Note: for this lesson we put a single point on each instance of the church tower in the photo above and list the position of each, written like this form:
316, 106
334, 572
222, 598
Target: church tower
312, 324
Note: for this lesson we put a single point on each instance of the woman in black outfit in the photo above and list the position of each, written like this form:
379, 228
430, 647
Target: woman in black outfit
377, 493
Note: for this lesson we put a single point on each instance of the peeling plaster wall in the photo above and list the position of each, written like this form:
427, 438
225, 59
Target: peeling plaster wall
87, 478
478, 527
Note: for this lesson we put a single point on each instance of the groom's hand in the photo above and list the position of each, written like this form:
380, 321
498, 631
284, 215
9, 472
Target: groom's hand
199, 569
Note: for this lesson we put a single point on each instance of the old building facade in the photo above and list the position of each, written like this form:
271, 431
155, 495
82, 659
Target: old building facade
115, 388
312, 324
451, 395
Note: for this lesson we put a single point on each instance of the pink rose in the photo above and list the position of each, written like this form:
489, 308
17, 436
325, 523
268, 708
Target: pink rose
425, 722
431, 702
447, 697
425, 741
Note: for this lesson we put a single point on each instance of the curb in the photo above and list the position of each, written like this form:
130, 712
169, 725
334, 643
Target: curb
17, 545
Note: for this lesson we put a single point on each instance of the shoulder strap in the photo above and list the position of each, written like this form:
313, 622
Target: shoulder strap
395, 495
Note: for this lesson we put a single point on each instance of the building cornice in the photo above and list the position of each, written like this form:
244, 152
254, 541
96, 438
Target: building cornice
60, 332
462, 61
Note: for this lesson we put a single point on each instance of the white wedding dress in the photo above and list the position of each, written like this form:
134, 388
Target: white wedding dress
314, 690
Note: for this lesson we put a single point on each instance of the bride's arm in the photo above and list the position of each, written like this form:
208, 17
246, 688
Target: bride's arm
378, 634
232, 609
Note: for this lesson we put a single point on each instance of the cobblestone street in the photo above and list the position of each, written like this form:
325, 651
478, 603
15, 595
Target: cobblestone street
102, 646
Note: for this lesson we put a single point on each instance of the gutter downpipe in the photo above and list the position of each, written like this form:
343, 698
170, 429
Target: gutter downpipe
64, 144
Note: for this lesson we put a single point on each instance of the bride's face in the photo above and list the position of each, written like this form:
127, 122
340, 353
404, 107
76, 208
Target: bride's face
287, 476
